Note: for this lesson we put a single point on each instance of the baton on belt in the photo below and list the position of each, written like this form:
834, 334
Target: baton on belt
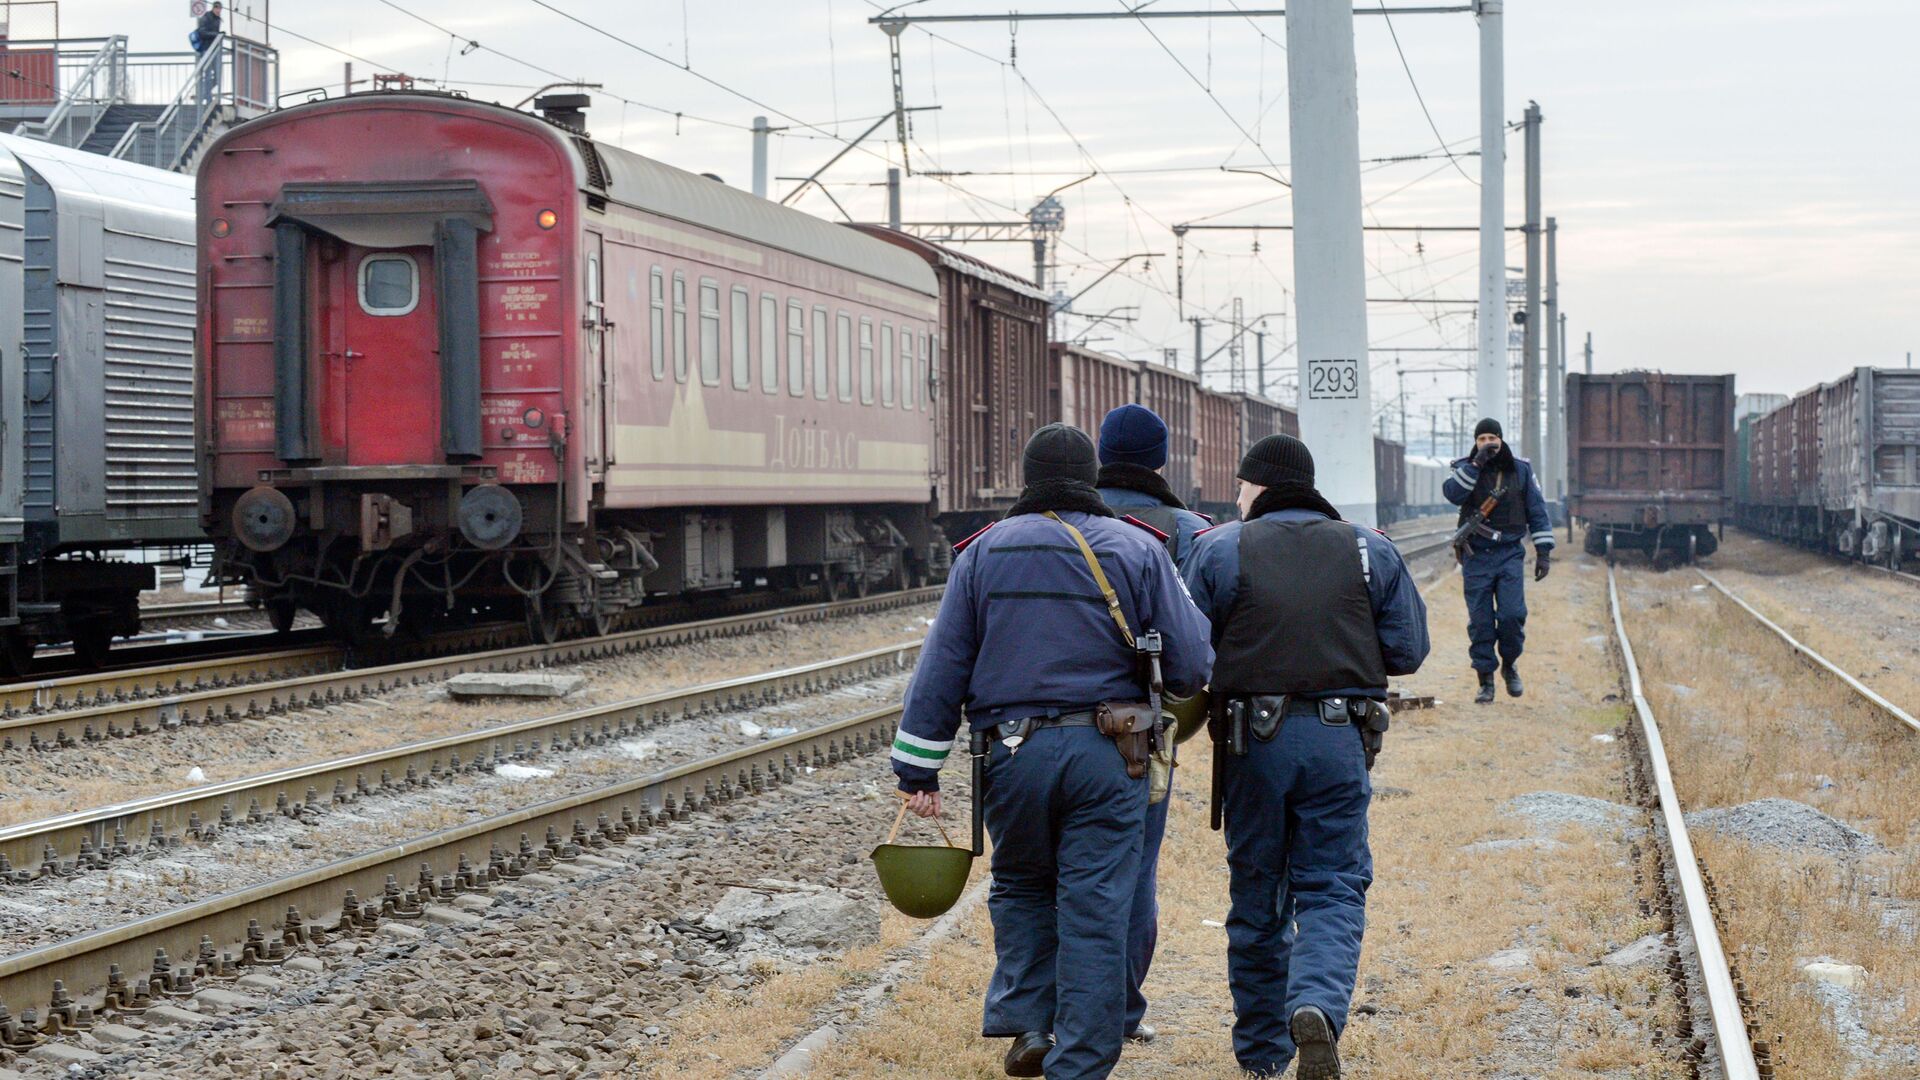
977, 744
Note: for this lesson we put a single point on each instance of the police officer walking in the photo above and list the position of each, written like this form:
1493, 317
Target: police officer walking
1036, 631
1133, 450
1310, 615
1500, 504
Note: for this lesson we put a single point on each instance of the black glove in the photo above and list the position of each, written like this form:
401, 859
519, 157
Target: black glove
1484, 455
1542, 562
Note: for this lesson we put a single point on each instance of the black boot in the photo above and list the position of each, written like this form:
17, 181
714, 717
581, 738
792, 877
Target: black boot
1485, 696
1313, 1034
1512, 675
1028, 1054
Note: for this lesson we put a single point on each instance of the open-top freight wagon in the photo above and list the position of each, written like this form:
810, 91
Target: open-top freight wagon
1650, 461
1838, 467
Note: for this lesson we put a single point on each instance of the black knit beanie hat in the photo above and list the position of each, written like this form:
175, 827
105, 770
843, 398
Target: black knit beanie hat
1488, 426
1277, 459
1060, 452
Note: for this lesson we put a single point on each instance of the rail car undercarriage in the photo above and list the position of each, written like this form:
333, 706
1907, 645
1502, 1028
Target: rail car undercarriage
406, 558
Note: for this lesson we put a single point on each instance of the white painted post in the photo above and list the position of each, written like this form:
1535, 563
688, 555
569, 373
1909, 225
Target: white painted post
1492, 372
1323, 106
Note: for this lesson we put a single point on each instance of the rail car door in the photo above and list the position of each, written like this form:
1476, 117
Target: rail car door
388, 362
599, 366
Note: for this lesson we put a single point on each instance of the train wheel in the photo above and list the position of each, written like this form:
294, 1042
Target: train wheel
603, 620
1693, 547
829, 584
16, 653
92, 643
1609, 548
543, 620
281, 611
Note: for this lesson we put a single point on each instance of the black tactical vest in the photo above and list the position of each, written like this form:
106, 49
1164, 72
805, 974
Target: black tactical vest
1302, 621
1510, 513
1160, 517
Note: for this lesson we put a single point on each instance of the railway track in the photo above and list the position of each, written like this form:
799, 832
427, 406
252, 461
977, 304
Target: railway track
1725, 1019
74, 843
195, 613
42, 716
132, 967
1730, 1014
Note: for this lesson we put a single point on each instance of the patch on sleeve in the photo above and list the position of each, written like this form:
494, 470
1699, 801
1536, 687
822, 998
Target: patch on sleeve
1137, 523
962, 545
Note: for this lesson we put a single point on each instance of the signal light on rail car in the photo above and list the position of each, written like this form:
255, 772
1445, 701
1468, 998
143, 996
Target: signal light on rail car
533, 418
221, 227
548, 219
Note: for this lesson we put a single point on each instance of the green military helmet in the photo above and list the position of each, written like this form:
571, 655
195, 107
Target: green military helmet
922, 881
1189, 713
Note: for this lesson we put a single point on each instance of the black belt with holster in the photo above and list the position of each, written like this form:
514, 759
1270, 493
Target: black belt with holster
1015, 732
1236, 720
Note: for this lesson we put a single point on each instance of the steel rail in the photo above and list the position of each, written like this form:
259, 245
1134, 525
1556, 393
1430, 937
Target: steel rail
133, 712
1798, 646
84, 839
1723, 1001
284, 908
156, 616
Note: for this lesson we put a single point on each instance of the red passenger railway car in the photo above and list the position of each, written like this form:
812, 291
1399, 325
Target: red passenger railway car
455, 357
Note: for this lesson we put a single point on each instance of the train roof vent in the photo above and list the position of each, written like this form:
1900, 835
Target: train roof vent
597, 175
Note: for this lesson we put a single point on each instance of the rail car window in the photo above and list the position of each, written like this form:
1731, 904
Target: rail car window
796, 349
769, 343
843, 358
906, 368
866, 361
709, 332
886, 364
389, 285
821, 380
742, 344
657, 325
679, 326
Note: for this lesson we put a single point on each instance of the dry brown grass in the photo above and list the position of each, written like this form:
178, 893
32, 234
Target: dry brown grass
1744, 719
1435, 910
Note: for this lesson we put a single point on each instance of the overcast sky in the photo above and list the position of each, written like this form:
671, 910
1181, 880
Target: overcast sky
1735, 180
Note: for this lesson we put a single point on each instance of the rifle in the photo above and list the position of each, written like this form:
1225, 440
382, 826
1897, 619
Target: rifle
1476, 519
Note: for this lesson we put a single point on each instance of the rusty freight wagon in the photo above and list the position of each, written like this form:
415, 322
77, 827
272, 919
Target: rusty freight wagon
1870, 464
461, 360
1170, 392
991, 381
1782, 497
1084, 385
1217, 419
1650, 460
1389, 480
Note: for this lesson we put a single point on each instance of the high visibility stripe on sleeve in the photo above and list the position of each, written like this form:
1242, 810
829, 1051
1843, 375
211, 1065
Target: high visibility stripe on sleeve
914, 750
1545, 537
1460, 474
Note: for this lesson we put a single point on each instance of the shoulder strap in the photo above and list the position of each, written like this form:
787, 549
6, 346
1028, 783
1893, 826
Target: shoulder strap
1100, 578
1164, 521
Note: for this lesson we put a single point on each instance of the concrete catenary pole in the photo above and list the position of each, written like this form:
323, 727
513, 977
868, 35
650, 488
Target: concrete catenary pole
760, 130
1589, 352
1555, 450
1491, 383
1531, 443
1323, 109
893, 199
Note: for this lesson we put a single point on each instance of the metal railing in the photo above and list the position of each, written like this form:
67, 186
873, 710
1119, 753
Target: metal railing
234, 79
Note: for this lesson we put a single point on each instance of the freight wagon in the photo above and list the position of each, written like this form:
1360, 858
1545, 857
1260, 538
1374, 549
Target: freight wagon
1870, 464
991, 390
1389, 481
1084, 386
1650, 460
1216, 423
1171, 393
459, 360
96, 361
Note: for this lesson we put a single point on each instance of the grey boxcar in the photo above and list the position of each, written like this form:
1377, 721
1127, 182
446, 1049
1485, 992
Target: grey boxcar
98, 342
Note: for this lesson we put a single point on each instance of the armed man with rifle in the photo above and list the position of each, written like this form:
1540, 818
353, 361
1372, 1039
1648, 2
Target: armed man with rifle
1500, 505
1060, 626
1133, 450
1310, 615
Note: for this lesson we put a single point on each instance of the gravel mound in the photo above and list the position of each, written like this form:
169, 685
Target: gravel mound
1556, 810
1784, 823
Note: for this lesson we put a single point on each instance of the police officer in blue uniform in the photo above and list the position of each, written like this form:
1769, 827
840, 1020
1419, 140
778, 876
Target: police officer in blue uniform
1310, 616
1500, 504
1026, 644
1133, 450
